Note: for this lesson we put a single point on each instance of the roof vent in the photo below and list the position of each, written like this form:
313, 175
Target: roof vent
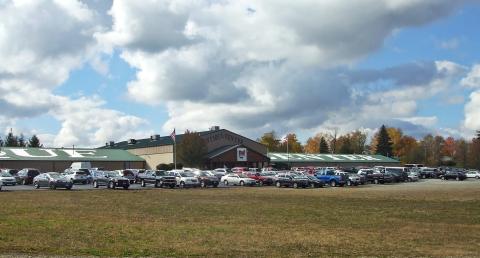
155, 137
132, 141
215, 128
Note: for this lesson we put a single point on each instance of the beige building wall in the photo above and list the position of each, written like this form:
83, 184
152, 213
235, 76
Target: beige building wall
152, 160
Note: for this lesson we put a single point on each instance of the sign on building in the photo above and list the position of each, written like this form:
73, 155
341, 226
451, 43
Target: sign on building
241, 154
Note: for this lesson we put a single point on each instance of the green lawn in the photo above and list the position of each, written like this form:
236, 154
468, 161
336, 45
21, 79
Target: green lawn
368, 221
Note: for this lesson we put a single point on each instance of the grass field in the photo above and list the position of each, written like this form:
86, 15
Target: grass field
367, 221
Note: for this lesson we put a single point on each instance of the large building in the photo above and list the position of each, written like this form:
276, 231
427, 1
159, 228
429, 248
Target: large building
58, 159
330, 160
225, 148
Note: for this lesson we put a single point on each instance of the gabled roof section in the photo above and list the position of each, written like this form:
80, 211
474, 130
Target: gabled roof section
221, 151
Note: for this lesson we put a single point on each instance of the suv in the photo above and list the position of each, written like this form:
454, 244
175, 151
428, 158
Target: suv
292, 180
159, 178
400, 171
184, 178
330, 177
128, 174
26, 175
110, 179
81, 175
375, 176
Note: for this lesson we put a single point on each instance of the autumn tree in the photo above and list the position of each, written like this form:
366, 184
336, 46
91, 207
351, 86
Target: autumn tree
192, 149
312, 146
270, 140
448, 149
384, 143
358, 141
294, 146
344, 145
461, 153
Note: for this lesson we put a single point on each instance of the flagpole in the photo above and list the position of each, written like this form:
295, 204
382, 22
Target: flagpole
288, 154
175, 148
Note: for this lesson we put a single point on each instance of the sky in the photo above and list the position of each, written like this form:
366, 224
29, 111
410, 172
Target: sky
87, 72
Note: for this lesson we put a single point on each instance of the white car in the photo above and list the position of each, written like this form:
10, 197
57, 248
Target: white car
235, 179
185, 178
7, 179
473, 174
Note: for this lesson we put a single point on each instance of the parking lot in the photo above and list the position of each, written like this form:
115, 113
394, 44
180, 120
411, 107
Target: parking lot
422, 184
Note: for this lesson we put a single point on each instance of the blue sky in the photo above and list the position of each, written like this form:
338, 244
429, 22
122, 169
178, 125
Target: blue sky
126, 70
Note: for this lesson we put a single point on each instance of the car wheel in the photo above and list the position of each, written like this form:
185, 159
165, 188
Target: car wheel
260, 183
375, 181
202, 184
157, 184
349, 183
278, 184
312, 185
182, 184
125, 187
333, 183
295, 185
242, 183
24, 182
215, 185
95, 184
457, 178
36, 185
477, 177
225, 182
143, 183
68, 187
111, 185
52, 186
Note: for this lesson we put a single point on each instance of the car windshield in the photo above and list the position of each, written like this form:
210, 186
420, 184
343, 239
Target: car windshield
160, 173
187, 174
5, 174
267, 174
394, 170
242, 176
54, 175
128, 173
206, 173
111, 174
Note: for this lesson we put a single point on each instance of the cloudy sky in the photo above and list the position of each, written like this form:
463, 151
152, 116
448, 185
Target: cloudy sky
86, 72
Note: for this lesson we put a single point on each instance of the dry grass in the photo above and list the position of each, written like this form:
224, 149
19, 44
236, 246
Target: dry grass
368, 221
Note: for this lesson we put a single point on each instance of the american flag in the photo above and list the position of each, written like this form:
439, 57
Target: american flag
173, 135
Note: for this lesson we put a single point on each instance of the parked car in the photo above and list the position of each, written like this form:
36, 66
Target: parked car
207, 178
314, 182
329, 176
375, 176
352, 179
7, 179
401, 172
53, 180
239, 169
238, 179
128, 174
26, 175
110, 179
139, 174
413, 177
78, 176
292, 180
13, 172
457, 175
426, 172
263, 179
159, 178
473, 174
185, 178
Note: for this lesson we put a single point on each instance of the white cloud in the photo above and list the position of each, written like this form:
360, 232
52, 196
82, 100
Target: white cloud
472, 112
472, 80
269, 64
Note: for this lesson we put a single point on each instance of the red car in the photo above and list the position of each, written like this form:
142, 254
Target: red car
262, 179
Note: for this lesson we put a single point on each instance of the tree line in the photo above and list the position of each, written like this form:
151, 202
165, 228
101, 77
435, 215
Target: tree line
388, 141
12, 140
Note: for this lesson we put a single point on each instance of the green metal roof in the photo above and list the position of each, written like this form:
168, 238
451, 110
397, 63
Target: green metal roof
55, 154
326, 158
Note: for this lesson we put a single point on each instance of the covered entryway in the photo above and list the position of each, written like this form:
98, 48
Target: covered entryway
236, 156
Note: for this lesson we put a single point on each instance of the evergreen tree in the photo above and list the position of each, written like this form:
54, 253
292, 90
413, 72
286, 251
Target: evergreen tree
1, 143
34, 142
384, 143
323, 146
21, 141
11, 140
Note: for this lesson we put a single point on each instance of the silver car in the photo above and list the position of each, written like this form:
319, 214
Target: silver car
413, 177
7, 179
53, 180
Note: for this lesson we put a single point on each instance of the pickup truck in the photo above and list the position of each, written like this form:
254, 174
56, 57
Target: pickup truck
330, 177
159, 178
